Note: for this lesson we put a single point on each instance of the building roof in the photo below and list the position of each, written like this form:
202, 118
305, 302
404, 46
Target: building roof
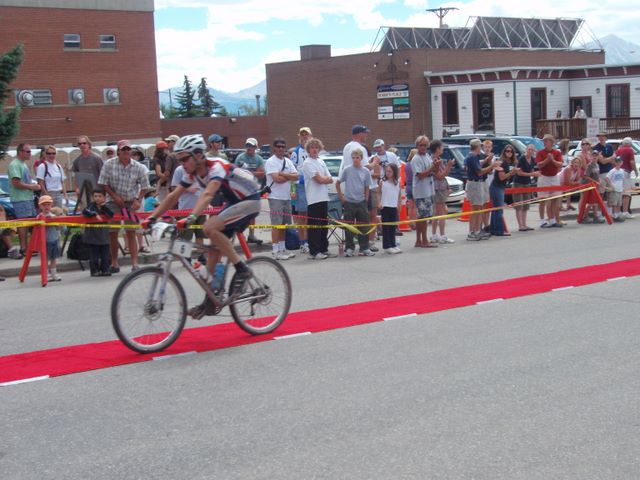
491, 33
531, 67
122, 5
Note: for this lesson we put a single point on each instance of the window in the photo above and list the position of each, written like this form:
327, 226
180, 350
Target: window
450, 108
108, 42
483, 111
538, 107
618, 100
71, 40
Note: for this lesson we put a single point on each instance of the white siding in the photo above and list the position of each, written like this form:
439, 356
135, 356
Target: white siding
587, 88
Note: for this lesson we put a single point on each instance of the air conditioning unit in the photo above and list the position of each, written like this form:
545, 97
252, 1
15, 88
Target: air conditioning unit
111, 95
76, 96
25, 98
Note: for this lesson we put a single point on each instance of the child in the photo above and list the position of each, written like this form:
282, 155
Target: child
150, 201
441, 187
97, 238
356, 180
390, 204
615, 182
53, 236
591, 175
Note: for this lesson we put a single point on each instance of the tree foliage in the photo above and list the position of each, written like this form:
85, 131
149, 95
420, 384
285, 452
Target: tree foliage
186, 104
208, 106
9, 65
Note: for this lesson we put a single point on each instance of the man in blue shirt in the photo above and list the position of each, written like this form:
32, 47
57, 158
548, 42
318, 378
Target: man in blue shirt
606, 156
476, 193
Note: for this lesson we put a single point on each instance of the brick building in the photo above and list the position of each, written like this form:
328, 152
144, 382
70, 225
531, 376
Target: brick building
330, 94
89, 68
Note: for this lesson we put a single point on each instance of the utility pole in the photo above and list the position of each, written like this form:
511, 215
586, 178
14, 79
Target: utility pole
441, 12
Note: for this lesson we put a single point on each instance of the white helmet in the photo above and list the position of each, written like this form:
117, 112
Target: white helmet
190, 143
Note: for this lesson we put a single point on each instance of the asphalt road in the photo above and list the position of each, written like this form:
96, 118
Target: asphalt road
539, 387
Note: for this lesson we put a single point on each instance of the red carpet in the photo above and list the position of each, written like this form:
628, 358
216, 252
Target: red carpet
82, 358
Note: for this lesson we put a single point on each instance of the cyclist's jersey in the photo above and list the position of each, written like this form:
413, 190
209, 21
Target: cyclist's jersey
237, 184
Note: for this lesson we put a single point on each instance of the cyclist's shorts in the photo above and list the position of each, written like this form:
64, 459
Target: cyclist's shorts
238, 216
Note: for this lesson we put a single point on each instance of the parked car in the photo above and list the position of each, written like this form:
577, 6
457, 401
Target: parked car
535, 141
456, 195
5, 201
499, 142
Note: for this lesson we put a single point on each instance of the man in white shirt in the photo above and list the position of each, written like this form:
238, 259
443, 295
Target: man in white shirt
358, 140
51, 177
280, 173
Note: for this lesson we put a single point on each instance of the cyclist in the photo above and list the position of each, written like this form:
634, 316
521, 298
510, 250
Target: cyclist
242, 193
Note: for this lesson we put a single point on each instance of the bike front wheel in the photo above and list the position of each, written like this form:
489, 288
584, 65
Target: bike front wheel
265, 298
147, 315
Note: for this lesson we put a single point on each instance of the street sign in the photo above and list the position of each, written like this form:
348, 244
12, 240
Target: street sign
593, 126
385, 116
401, 101
401, 116
397, 90
385, 109
401, 108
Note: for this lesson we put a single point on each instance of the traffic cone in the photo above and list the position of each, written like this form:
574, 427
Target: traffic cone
466, 208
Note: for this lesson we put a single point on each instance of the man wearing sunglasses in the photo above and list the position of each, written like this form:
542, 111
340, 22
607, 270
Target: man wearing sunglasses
21, 190
126, 183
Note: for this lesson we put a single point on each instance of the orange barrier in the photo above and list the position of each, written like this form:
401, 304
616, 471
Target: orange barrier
37, 243
593, 196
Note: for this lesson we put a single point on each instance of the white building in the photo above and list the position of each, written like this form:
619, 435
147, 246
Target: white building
511, 100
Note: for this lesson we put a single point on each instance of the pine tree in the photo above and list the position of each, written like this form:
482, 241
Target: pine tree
186, 106
9, 64
208, 105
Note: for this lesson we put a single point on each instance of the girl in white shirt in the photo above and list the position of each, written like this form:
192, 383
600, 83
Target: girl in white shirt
390, 204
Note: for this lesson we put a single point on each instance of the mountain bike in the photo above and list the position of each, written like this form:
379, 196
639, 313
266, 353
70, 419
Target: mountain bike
149, 307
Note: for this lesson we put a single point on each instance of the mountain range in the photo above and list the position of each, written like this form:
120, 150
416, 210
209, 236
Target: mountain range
617, 51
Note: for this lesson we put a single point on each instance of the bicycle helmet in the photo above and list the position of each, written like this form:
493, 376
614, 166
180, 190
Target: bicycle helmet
190, 143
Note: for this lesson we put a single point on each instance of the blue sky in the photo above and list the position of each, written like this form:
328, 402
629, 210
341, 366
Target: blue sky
229, 41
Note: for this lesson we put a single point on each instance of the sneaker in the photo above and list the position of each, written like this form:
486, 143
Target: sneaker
15, 253
114, 269
473, 237
348, 252
135, 268
373, 248
252, 239
304, 249
544, 224
396, 250
444, 240
390, 251
290, 253
280, 256
239, 279
628, 215
557, 225
319, 256
366, 253
96, 274
330, 255
435, 239
196, 312
619, 218
54, 278
484, 235
599, 220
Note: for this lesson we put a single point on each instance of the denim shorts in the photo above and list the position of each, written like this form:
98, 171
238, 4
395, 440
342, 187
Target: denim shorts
24, 209
300, 203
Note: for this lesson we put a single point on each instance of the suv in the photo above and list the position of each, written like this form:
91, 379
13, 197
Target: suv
499, 142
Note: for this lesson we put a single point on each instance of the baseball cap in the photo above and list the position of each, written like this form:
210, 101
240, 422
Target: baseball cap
214, 137
378, 143
627, 140
124, 143
475, 142
304, 130
251, 141
601, 134
172, 138
359, 129
162, 144
45, 199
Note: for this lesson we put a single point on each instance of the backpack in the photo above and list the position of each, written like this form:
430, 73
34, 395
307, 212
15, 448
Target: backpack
291, 239
78, 250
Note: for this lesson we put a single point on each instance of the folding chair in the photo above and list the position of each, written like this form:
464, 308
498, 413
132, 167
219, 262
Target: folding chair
335, 213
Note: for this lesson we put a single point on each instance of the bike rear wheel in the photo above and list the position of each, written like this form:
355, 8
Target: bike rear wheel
145, 319
265, 299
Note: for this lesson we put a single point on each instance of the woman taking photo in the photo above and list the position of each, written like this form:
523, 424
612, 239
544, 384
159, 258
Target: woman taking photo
502, 175
525, 171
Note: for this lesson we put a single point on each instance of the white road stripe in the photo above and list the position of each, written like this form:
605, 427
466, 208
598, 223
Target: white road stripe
400, 317
167, 357
495, 300
293, 335
24, 380
615, 279
561, 288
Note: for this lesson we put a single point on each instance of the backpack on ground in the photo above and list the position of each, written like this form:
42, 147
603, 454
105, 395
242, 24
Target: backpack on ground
78, 250
291, 239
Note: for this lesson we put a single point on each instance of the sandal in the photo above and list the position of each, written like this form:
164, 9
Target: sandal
429, 245
144, 250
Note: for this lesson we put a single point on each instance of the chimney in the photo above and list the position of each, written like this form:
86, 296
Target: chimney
314, 52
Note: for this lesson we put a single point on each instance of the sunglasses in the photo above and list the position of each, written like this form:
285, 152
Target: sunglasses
50, 153
83, 143
280, 145
585, 143
125, 149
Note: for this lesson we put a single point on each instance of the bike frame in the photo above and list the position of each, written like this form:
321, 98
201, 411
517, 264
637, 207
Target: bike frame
166, 259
